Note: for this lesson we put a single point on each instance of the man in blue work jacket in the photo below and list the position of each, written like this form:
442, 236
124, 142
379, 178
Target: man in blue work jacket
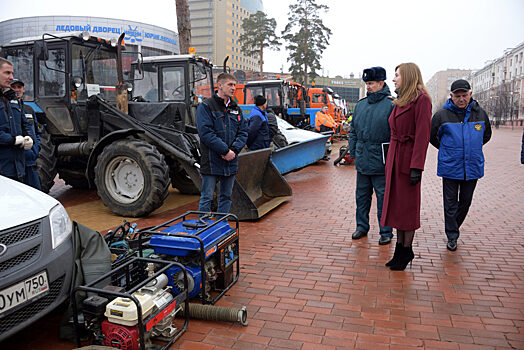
14, 136
259, 135
459, 130
368, 137
223, 133
31, 155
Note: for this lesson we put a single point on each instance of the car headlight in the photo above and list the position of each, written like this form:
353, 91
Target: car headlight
61, 225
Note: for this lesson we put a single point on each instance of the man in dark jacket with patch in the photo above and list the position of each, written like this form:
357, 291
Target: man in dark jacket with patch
223, 133
259, 135
368, 139
14, 137
459, 130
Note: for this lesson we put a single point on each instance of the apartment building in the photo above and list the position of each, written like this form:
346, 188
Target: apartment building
439, 84
498, 87
216, 26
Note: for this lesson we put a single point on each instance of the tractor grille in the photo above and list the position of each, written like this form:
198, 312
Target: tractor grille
19, 259
18, 234
32, 309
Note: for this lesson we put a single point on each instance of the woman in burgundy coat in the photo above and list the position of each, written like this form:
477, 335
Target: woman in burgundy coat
410, 123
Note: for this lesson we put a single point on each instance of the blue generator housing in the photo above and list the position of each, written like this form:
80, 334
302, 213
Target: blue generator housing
207, 248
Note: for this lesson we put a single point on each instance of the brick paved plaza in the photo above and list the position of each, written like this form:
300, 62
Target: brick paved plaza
307, 285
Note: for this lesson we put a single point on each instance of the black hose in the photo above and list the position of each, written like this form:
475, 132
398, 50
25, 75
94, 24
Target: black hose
341, 156
216, 313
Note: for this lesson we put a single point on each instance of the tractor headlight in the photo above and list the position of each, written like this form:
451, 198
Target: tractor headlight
85, 36
61, 225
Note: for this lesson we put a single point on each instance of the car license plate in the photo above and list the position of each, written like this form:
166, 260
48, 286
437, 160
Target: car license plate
23, 291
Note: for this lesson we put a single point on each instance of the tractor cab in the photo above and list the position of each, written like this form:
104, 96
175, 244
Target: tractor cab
60, 72
182, 80
283, 98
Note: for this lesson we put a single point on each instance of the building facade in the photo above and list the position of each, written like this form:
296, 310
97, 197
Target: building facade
498, 87
148, 39
439, 85
351, 90
216, 26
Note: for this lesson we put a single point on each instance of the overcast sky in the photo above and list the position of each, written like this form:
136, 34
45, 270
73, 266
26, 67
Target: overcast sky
437, 34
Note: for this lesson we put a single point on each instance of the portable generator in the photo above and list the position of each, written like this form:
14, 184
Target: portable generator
208, 249
131, 315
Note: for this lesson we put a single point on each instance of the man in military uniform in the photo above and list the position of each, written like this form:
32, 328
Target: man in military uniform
368, 139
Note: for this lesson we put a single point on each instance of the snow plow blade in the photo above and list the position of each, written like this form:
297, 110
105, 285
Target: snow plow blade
298, 155
259, 187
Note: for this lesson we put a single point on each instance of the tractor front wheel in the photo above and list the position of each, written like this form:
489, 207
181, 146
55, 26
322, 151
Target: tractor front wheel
132, 177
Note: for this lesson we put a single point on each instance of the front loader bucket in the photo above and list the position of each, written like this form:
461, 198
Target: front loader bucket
259, 187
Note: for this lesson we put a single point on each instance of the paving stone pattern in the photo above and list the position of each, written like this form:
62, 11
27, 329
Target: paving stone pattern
308, 285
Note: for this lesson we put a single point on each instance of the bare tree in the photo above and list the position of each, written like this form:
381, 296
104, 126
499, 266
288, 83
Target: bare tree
184, 25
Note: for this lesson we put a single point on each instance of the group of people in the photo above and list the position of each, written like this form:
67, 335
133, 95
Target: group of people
19, 139
389, 140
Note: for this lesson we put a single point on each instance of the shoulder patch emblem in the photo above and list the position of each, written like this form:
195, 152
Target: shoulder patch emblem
478, 127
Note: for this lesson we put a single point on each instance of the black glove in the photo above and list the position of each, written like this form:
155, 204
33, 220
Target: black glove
415, 176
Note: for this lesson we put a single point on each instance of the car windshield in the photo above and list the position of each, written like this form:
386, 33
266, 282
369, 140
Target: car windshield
98, 69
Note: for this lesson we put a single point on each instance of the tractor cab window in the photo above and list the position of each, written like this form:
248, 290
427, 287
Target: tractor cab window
273, 97
251, 92
146, 86
201, 81
22, 60
98, 71
317, 98
52, 76
173, 84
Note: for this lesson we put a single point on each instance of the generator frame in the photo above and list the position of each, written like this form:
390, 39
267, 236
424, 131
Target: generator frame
182, 297
201, 251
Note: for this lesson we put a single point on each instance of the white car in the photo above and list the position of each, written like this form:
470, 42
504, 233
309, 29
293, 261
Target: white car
36, 257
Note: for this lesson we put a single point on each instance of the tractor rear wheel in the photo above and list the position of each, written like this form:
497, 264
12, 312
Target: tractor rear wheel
132, 177
46, 162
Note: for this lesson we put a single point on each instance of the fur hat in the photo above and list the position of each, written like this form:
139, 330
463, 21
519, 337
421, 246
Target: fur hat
374, 74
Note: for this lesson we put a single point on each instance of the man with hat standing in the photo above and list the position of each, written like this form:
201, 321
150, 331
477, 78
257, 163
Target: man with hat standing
368, 139
258, 136
31, 155
459, 130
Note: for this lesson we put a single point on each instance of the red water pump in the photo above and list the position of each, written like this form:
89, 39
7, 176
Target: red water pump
120, 337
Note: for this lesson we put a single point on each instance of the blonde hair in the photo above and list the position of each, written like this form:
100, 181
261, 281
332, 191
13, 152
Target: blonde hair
411, 83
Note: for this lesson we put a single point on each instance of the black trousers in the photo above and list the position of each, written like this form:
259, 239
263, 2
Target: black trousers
457, 200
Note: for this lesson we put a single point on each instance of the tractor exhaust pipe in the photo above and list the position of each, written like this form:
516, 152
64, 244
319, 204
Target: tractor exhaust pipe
225, 64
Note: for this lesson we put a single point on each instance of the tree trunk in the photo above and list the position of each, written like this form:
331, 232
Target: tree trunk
261, 60
184, 25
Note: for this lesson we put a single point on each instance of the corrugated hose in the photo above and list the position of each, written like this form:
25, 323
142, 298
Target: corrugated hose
216, 313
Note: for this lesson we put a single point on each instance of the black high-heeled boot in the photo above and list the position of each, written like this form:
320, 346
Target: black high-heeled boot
406, 256
396, 254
